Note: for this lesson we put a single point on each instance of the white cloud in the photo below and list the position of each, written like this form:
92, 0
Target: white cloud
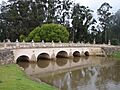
95, 4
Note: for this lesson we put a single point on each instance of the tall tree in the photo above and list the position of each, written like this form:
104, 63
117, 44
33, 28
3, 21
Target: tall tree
64, 12
21, 16
114, 25
3, 23
104, 15
82, 19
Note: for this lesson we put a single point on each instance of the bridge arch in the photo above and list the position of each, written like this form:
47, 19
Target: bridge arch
62, 54
87, 53
22, 58
43, 56
76, 54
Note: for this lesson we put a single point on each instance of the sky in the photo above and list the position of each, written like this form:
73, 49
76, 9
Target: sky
95, 4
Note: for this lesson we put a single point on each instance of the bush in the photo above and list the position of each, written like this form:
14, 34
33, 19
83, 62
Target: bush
49, 32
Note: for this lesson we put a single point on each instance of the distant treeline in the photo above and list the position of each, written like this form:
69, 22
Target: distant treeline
20, 17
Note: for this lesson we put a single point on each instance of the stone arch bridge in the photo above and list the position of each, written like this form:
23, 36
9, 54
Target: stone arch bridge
35, 51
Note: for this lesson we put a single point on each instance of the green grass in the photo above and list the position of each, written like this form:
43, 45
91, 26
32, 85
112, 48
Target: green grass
13, 78
116, 55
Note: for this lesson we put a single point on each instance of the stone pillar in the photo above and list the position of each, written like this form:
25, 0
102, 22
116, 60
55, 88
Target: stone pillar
70, 53
94, 42
17, 43
60, 43
33, 44
53, 55
8, 40
43, 43
23, 43
109, 43
53, 44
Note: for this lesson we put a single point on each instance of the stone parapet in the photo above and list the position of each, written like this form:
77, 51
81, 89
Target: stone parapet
6, 56
110, 50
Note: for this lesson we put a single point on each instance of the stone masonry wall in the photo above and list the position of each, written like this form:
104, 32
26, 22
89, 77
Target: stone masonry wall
6, 57
110, 50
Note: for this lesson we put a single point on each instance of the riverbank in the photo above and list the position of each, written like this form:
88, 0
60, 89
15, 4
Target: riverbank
116, 55
13, 78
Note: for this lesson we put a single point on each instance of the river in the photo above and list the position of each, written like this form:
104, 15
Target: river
84, 73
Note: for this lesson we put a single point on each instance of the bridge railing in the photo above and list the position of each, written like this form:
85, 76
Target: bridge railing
11, 45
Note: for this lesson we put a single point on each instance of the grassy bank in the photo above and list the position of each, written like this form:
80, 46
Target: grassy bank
116, 55
13, 78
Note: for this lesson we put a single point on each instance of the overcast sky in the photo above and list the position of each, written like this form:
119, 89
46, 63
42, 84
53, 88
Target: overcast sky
95, 4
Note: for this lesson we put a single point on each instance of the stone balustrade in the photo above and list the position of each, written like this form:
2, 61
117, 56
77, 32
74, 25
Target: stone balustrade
10, 45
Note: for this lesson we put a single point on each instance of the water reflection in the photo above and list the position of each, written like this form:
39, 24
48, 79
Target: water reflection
43, 63
76, 59
61, 62
93, 73
25, 65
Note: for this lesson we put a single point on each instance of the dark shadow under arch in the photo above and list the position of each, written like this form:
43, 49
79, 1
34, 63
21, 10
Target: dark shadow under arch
86, 53
62, 54
22, 58
76, 54
43, 56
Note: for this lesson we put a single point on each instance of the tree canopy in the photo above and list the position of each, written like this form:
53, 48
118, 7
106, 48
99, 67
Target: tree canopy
82, 18
104, 16
48, 33
18, 18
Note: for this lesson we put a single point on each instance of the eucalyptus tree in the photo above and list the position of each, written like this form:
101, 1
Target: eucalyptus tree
82, 19
114, 25
4, 32
64, 11
104, 16
22, 16
50, 11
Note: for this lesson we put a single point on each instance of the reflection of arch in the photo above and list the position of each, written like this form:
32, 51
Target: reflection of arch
23, 64
61, 62
33, 65
86, 58
23, 58
86, 53
76, 54
62, 54
76, 59
43, 56
33, 57
43, 63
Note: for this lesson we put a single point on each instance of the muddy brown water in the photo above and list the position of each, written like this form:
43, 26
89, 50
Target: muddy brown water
86, 73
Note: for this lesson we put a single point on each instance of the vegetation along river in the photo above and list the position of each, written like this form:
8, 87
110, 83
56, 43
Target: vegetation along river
84, 73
